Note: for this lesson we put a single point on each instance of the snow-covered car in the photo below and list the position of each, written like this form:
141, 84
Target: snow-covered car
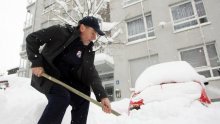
4, 84
167, 81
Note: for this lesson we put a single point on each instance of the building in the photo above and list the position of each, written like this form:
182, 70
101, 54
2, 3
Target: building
39, 16
171, 30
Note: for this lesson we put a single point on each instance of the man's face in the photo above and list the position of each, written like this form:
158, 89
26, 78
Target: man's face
87, 34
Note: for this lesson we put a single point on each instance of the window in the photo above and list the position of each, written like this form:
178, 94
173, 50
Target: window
130, 2
204, 59
109, 88
29, 19
184, 14
136, 28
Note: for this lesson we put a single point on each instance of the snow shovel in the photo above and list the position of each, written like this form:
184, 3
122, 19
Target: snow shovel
76, 91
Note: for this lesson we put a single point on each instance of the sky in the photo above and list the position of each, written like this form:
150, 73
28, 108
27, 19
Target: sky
12, 13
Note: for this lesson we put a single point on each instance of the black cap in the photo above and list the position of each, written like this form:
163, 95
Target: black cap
92, 22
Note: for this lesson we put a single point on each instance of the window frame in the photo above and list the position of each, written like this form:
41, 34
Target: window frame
149, 30
125, 4
29, 19
208, 66
195, 16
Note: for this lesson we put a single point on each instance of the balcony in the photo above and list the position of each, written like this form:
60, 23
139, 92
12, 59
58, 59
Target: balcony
104, 63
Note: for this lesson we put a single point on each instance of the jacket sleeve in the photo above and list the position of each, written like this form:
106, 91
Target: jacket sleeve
96, 85
37, 39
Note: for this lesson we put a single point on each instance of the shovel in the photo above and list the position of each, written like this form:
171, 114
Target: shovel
76, 92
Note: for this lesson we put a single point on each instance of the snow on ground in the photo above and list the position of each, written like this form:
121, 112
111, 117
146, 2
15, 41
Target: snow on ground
21, 104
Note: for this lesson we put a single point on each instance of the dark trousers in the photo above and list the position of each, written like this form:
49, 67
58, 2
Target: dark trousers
59, 99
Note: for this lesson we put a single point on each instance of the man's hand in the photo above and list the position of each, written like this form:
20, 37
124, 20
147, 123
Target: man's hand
106, 106
38, 71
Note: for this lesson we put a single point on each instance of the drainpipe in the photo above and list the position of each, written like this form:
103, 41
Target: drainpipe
201, 32
146, 32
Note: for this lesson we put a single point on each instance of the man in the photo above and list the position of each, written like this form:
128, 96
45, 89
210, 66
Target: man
67, 56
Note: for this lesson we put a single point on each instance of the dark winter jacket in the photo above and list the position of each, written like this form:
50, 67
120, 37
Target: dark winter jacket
55, 39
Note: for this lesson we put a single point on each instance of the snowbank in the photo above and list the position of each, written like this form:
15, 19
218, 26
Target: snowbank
21, 104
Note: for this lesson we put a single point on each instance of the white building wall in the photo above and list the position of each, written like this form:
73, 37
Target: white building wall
167, 43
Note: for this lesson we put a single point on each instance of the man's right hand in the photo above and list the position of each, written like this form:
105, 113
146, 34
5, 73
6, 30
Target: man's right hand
106, 106
38, 71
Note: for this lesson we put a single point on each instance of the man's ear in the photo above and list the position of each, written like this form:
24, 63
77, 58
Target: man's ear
82, 28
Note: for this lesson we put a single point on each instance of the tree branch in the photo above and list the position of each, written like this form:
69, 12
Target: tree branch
66, 11
79, 6
98, 8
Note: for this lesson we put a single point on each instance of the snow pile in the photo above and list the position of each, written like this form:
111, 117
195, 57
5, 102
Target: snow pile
174, 111
177, 71
190, 90
21, 104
